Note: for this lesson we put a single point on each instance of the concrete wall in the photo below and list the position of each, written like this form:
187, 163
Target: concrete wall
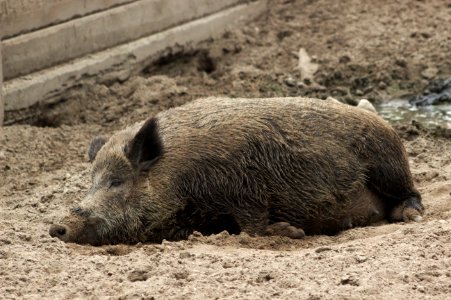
40, 67
40, 49
21, 16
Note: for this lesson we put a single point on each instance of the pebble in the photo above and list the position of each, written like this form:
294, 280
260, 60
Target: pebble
138, 275
184, 255
3, 254
361, 258
358, 92
322, 249
349, 280
382, 85
181, 275
290, 81
429, 73
401, 62
227, 265
263, 277
344, 59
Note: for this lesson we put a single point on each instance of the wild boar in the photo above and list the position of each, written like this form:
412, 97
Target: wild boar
281, 166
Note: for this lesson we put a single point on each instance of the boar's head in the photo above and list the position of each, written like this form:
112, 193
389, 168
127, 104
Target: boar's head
115, 209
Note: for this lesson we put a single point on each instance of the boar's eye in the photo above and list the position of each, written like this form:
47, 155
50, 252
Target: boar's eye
115, 182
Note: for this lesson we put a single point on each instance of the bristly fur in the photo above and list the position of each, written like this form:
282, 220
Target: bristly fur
244, 164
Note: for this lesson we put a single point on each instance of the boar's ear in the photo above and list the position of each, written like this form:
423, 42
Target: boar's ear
146, 146
96, 144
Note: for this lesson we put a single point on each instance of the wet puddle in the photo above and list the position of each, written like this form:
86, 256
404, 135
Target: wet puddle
402, 112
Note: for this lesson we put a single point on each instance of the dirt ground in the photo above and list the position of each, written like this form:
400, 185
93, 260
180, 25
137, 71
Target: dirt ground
364, 49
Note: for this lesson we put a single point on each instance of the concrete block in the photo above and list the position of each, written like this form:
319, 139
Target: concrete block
120, 62
21, 16
44, 48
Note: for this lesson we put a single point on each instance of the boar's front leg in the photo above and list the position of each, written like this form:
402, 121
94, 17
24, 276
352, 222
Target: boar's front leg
285, 229
255, 222
275, 229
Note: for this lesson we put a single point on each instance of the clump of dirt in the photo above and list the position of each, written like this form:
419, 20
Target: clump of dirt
364, 49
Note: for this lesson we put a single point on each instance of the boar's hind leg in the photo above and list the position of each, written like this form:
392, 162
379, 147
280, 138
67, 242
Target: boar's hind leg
285, 229
403, 202
409, 210
391, 179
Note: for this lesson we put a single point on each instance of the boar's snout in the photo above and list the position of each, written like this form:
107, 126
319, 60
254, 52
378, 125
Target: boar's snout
58, 231
77, 229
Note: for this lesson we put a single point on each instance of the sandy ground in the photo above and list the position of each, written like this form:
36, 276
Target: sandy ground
365, 49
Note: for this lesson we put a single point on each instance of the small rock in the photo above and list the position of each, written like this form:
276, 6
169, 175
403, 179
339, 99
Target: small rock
401, 62
344, 59
322, 249
361, 258
382, 85
429, 73
138, 275
305, 65
181, 275
195, 236
67, 176
313, 86
290, 81
264, 277
24, 237
222, 235
227, 265
3, 254
302, 85
244, 240
184, 255
283, 34
349, 280
340, 91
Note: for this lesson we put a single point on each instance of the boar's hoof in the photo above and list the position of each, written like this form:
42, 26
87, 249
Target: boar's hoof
410, 210
58, 231
285, 229
411, 214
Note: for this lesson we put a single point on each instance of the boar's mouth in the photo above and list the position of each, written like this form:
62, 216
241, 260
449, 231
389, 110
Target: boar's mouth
78, 229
